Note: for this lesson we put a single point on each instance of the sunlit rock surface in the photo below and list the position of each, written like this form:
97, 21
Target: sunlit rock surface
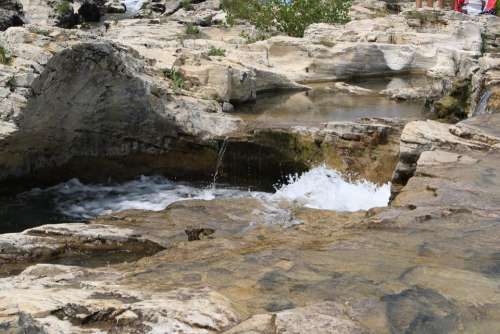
427, 263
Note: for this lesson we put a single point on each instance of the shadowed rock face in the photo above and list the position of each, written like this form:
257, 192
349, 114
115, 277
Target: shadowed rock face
96, 101
11, 14
98, 111
89, 101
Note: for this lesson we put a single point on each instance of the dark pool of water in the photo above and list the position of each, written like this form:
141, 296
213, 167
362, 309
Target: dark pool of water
18, 213
73, 201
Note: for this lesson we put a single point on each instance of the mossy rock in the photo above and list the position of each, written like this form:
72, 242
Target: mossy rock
494, 101
447, 107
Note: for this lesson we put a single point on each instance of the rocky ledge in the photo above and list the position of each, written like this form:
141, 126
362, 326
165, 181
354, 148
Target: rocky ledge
287, 269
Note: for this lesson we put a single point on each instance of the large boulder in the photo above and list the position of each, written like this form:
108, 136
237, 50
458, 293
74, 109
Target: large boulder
11, 14
477, 134
101, 97
90, 11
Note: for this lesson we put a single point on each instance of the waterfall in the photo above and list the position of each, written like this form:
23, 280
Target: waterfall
319, 188
482, 106
325, 188
220, 157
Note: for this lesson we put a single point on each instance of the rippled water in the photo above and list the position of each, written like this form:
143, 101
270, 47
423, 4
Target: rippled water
320, 188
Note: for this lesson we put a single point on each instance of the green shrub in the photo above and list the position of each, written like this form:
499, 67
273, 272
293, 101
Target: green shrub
289, 16
217, 52
192, 29
4, 56
176, 77
64, 8
187, 5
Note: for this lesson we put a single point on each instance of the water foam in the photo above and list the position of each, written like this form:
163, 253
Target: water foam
319, 188
325, 188
151, 193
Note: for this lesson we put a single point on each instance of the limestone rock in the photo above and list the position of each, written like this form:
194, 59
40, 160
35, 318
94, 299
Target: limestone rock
367, 9
400, 31
41, 60
45, 12
156, 8
420, 136
352, 90
42, 297
201, 14
323, 318
115, 7
52, 241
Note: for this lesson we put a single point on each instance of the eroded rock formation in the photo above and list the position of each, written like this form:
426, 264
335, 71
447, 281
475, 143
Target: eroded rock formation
141, 95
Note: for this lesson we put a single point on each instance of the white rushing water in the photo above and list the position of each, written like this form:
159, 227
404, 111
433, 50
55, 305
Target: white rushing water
320, 188
133, 6
153, 193
325, 188
482, 106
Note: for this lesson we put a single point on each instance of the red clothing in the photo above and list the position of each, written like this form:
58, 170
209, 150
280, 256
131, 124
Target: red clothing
490, 6
458, 5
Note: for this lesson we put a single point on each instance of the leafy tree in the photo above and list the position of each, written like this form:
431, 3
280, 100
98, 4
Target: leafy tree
289, 16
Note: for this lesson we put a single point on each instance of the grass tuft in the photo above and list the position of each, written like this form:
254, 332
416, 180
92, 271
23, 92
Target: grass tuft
216, 52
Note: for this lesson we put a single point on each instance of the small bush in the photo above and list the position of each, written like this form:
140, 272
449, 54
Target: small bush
64, 8
216, 52
4, 56
192, 29
259, 36
176, 77
187, 5
289, 16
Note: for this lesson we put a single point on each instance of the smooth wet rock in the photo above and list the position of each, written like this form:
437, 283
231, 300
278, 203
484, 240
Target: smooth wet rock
421, 311
453, 283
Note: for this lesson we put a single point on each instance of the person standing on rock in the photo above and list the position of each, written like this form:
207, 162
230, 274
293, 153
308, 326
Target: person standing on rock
430, 3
